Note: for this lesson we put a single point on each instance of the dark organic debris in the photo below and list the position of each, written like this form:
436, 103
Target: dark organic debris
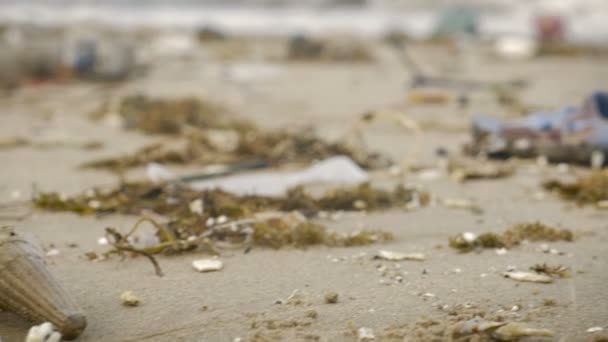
553, 271
301, 48
205, 133
513, 236
591, 189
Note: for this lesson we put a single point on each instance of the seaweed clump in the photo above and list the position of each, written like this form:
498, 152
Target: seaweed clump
534, 231
591, 189
205, 133
214, 215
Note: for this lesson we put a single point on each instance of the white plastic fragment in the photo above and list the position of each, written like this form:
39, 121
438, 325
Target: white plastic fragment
528, 277
44, 332
336, 170
595, 329
158, 173
469, 236
52, 252
207, 265
196, 206
102, 241
365, 334
501, 251
396, 256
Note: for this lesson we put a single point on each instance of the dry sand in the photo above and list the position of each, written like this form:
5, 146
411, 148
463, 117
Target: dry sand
239, 300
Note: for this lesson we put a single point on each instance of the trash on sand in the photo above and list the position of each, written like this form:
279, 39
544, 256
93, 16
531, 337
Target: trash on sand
331, 297
517, 331
207, 265
29, 290
338, 170
513, 236
128, 298
302, 48
44, 332
567, 135
595, 329
591, 189
474, 326
203, 136
528, 277
365, 334
396, 256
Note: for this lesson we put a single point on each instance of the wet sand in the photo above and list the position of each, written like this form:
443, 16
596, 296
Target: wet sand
239, 301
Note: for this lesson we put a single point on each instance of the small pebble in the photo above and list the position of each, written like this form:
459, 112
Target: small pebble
128, 298
331, 297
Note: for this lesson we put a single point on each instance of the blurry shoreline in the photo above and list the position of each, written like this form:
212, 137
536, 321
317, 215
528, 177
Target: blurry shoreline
585, 25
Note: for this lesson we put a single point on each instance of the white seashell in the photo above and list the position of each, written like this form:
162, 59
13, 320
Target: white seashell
196, 206
44, 332
516, 331
207, 265
528, 276
595, 329
396, 256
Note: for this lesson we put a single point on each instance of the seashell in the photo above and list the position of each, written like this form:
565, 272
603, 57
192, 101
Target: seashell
207, 265
474, 326
29, 290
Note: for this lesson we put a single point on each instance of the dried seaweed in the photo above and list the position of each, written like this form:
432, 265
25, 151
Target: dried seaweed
513, 236
553, 271
301, 48
586, 190
206, 133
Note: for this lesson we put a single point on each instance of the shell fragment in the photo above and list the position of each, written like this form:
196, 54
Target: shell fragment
528, 276
207, 265
396, 256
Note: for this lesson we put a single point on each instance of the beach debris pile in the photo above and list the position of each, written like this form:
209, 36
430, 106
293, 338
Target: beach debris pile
590, 189
535, 231
211, 219
206, 133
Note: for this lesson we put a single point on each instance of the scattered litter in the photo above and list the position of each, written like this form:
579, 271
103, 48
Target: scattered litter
331, 297
528, 277
513, 236
365, 334
44, 332
128, 298
207, 265
396, 256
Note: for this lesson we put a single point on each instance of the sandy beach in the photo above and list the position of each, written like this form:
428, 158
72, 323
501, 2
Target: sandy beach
240, 301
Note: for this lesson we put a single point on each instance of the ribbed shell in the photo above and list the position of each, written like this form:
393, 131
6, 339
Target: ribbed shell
29, 290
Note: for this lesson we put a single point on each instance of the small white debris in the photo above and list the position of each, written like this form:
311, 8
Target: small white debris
457, 270
429, 175
396, 256
16, 194
95, 204
428, 295
207, 265
53, 252
365, 334
128, 298
542, 161
595, 329
501, 251
210, 222
221, 219
158, 173
196, 206
44, 332
515, 308
102, 241
597, 159
237, 339
544, 248
458, 203
528, 276
563, 168
469, 237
